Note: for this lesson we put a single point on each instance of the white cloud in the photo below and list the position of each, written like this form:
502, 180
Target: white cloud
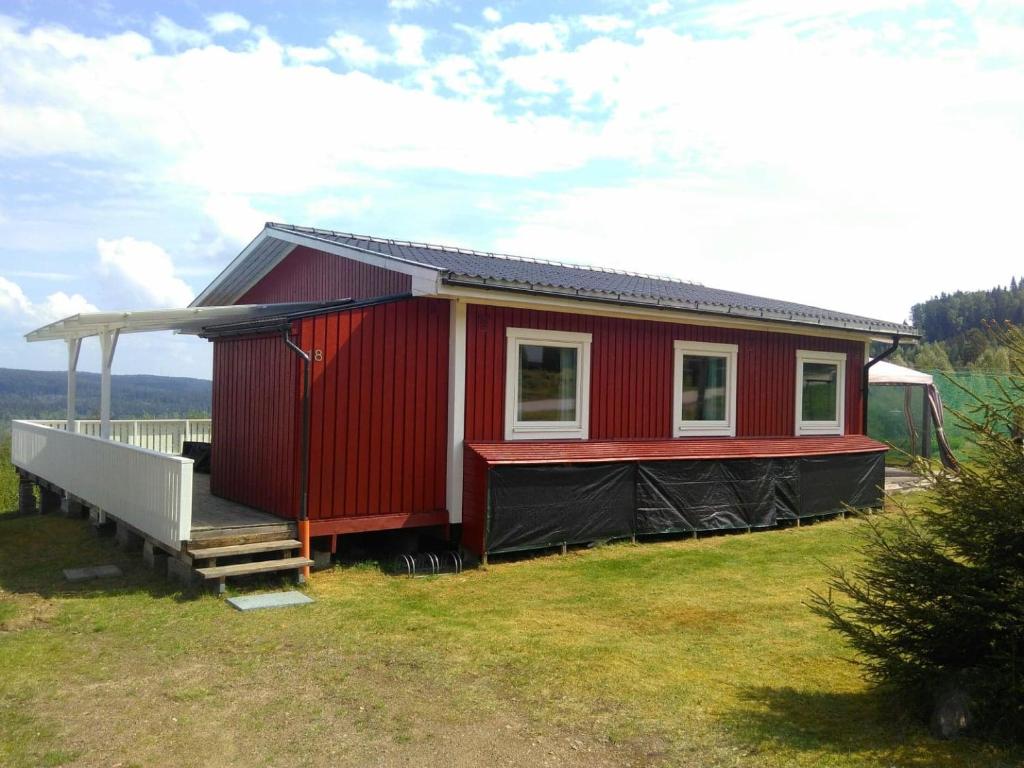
235, 216
459, 74
227, 22
409, 40
307, 55
355, 51
491, 15
539, 36
145, 271
60, 305
176, 35
659, 8
791, 143
605, 24
12, 299
16, 305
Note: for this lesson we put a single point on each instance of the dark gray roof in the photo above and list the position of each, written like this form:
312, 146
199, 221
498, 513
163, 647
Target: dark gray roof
463, 266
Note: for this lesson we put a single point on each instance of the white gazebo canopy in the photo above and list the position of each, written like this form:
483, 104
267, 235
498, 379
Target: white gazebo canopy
890, 373
109, 325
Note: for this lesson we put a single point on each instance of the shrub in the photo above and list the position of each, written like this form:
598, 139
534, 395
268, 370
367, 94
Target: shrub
938, 604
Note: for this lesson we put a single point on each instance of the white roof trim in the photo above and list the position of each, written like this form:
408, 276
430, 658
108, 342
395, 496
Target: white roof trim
185, 320
241, 275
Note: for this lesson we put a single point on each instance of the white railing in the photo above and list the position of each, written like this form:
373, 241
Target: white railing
163, 435
150, 491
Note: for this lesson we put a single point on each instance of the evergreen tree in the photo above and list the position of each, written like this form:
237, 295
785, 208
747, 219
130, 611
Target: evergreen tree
938, 603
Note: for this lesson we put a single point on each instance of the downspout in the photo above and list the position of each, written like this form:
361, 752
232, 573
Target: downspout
303, 523
865, 380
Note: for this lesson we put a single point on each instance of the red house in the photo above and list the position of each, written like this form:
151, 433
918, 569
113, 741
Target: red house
368, 384
532, 402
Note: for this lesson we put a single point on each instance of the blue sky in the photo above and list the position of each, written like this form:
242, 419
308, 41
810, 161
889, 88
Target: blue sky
854, 155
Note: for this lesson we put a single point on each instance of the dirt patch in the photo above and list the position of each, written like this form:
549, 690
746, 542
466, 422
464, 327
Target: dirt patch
18, 613
356, 712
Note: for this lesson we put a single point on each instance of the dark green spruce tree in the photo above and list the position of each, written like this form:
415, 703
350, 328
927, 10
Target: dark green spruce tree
937, 604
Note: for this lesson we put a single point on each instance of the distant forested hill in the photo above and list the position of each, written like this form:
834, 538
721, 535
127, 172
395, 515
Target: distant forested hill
953, 326
43, 395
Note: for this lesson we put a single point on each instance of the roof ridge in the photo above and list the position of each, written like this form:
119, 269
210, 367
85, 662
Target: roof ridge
490, 254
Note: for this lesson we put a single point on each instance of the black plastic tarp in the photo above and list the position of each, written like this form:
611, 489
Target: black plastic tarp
704, 495
830, 483
531, 507
786, 474
537, 506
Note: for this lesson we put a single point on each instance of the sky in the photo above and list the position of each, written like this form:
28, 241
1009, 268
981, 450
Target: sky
861, 156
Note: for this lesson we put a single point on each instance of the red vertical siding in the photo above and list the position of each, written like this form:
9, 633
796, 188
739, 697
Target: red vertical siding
310, 275
631, 373
379, 434
255, 395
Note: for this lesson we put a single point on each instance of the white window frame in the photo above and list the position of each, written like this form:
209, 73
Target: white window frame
723, 428
547, 430
837, 426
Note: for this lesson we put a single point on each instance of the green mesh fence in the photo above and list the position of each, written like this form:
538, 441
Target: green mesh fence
887, 422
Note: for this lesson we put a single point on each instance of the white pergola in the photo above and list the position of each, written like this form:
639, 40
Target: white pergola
109, 326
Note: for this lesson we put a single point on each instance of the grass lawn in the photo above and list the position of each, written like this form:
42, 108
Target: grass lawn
691, 653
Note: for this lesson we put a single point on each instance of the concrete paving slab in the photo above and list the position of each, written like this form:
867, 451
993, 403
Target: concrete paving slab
92, 572
269, 600
78, 574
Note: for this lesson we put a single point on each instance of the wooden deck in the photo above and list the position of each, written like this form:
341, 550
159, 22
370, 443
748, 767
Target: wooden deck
216, 520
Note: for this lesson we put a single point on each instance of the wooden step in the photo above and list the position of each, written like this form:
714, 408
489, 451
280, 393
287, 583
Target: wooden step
259, 566
245, 549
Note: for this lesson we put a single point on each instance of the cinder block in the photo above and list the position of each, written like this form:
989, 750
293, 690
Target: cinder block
92, 572
155, 558
71, 507
49, 501
182, 572
321, 560
26, 496
127, 539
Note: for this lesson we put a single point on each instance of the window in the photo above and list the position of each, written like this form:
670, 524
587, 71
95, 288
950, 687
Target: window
820, 392
547, 385
704, 389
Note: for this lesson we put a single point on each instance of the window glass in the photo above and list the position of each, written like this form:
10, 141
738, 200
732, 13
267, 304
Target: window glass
547, 383
820, 392
704, 382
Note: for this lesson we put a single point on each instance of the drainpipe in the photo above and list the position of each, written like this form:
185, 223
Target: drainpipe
865, 380
303, 525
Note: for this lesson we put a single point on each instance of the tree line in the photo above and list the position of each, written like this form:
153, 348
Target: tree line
43, 395
953, 326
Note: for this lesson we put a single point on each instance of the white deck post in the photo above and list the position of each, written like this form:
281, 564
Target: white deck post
108, 343
456, 407
74, 346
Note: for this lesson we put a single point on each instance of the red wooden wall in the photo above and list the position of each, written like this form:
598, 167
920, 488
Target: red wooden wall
309, 275
379, 432
631, 373
256, 418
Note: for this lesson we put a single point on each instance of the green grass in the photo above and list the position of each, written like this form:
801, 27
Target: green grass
8, 479
675, 653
